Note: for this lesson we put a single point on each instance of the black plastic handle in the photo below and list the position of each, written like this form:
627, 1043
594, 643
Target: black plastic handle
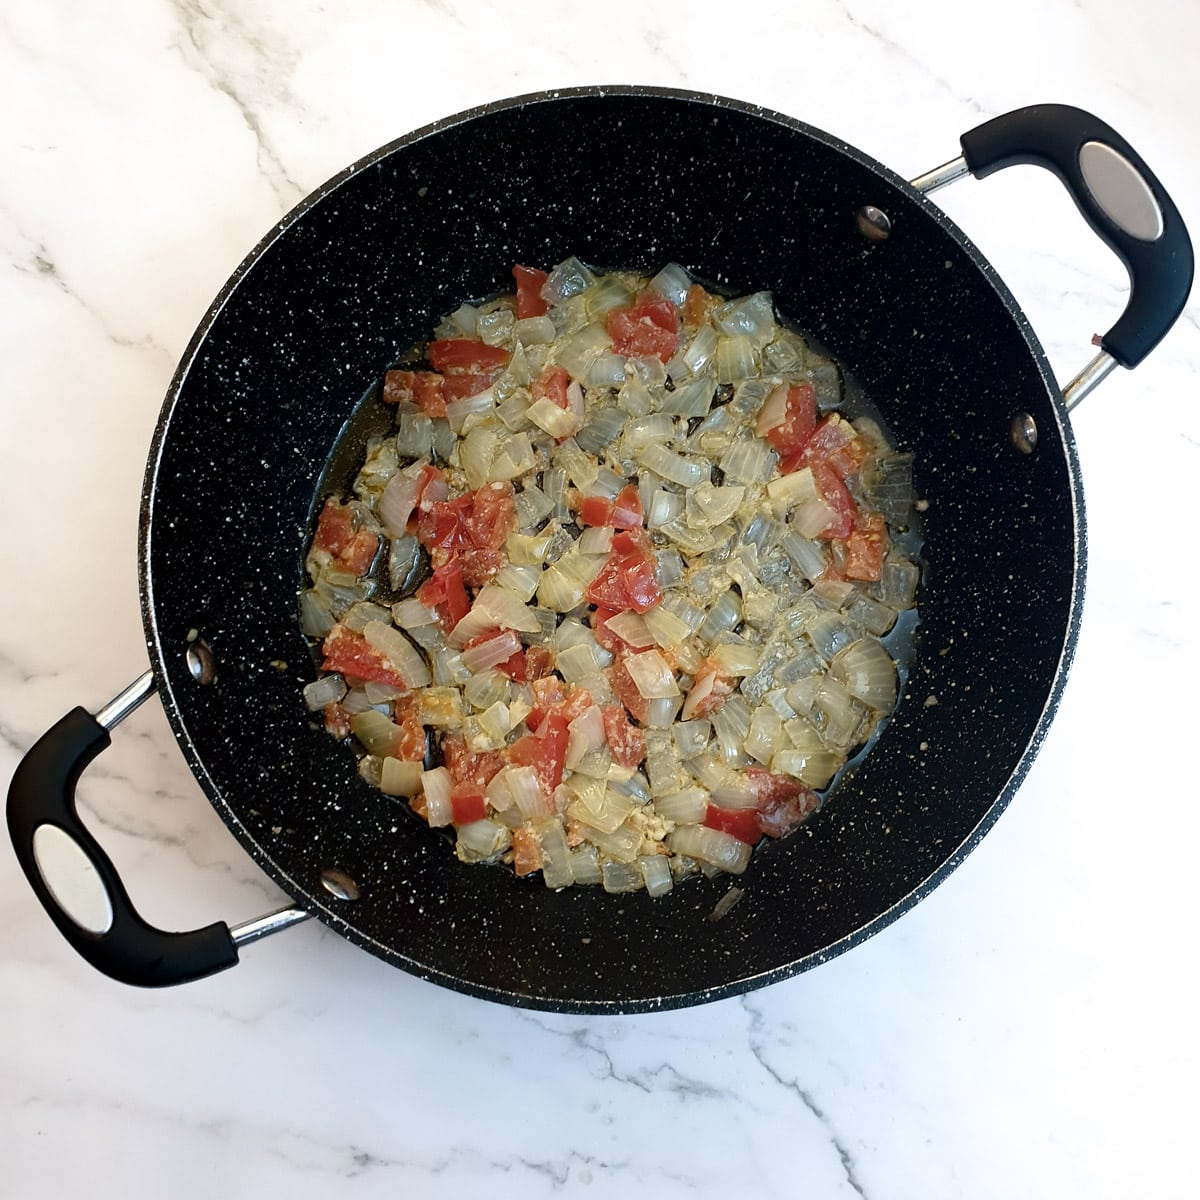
1160, 267
42, 793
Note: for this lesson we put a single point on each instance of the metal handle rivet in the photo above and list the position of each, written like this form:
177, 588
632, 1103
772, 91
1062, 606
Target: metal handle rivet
339, 885
200, 662
873, 223
1023, 432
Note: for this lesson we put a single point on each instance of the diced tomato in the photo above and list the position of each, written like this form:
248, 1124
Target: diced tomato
337, 720
627, 508
411, 746
781, 815
626, 691
349, 654
335, 527
741, 823
423, 388
595, 511
527, 851
461, 385
627, 579
469, 767
467, 804
708, 692
529, 291
359, 554
478, 566
605, 636
465, 356
444, 591
491, 516
835, 442
767, 787
514, 667
539, 662
837, 498
861, 555
791, 435
552, 384
696, 306
649, 327
627, 742
545, 751
549, 694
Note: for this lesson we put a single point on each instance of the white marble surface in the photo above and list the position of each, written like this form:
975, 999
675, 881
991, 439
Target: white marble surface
1028, 1030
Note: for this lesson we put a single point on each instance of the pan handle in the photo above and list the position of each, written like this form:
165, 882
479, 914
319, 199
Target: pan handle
76, 881
1119, 197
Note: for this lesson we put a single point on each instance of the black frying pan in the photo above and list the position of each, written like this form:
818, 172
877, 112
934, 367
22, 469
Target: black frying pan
632, 178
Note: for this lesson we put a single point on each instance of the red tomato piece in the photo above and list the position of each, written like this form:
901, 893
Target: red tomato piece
649, 327
552, 384
861, 555
358, 555
337, 720
465, 356
423, 388
596, 511
626, 741
837, 498
527, 851
545, 751
469, 767
491, 516
627, 508
412, 743
791, 435
627, 579
783, 802
444, 591
741, 823
605, 636
335, 527
467, 804
349, 654
626, 691
529, 292
539, 662
464, 384
836, 443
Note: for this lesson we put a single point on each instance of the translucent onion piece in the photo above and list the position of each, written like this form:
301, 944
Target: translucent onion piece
710, 846
736, 359
557, 422
685, 807
708, 505
400, 778
440, 706
585, 864
556, 855
480, 841
494, 328
411, 613
397, 502
660, 714
399, 651
596, 541
810, 558
765, 736
652, 675
815, 768
811, 518
316, 619
656, 872
795, 488
732, 659
606, 815
485, 688
665, 627
668, 567
601, 429
687, 472
672, 282
622, 877
527, 793
724, 615
522, 581
359, 614
533, 331
621, 845
631, 628
898, 582
664, 508
403, 560
329, 689
567, 279
460, 412
527, 549
492, 652
475, 454
513, 459
436, 785
868, 673
495, 608
751, 316
750, 460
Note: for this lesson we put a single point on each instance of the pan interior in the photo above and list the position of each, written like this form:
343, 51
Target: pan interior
626, 178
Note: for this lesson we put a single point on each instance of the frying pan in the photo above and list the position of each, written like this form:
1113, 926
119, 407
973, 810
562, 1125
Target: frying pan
623, 178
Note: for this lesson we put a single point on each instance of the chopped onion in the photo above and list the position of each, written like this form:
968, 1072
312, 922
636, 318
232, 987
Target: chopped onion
437, 786
359, 614
585, 864
814, 769
812, 517
660, 713
673, 282
749, 460
329, 689
751, 316
656, 872
556, 855
621, 877
665, 627
411, 613
528, 550
710, 846
664, 508
534, 331
687, 472
400, 778
479, 841
440, 706
495, 608
475, 454
795, 488
557, 422
736, 359
868, 672
316, 619
685, 807
399, 651
397, 502
527, 793
465, 414
403, 560
513, 459
569, 278
733, 659
765, 736
485, 688
652, 675
492, 652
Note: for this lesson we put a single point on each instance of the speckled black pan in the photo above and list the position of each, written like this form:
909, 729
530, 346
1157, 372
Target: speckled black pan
621, 177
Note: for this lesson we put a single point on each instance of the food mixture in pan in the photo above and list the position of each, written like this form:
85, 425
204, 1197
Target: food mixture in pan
609, 601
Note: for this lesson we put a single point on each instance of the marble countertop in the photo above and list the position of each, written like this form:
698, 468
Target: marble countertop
1027, 1030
